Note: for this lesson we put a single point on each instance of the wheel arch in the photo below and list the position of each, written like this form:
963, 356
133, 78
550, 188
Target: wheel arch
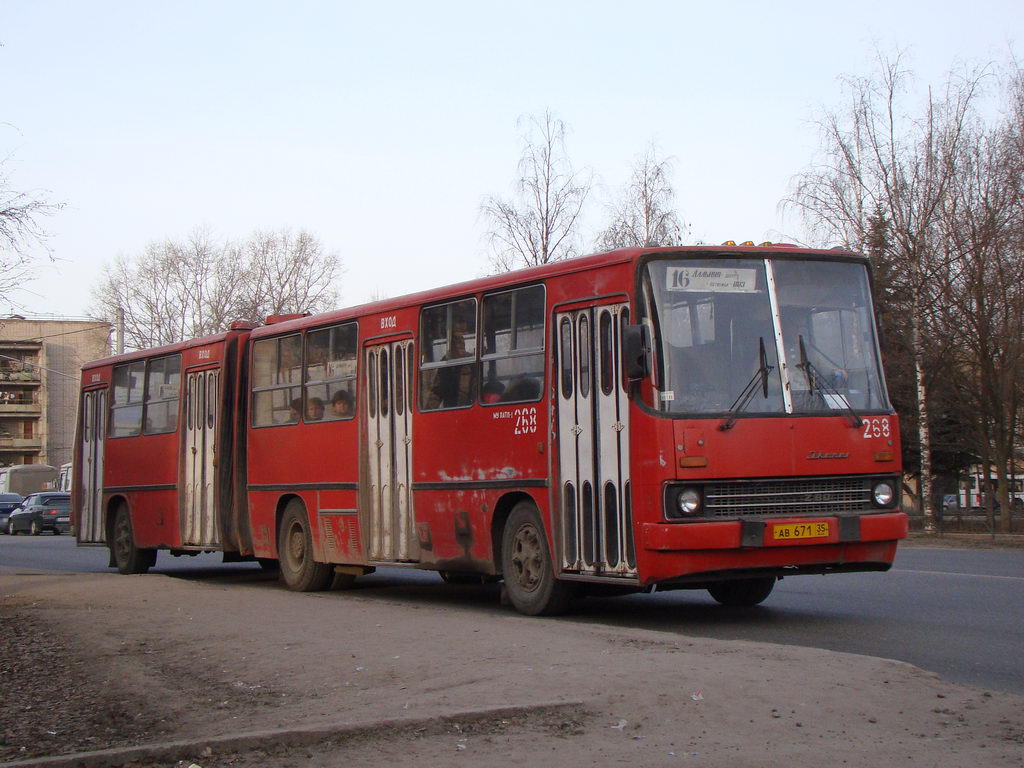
499, 517
282, 505
109, 513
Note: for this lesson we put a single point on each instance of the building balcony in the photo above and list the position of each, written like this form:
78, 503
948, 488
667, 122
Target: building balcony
25, 378
7, 408
21, 348
21, 443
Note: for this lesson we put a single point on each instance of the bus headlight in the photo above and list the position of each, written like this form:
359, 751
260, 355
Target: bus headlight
883, 494
688, 502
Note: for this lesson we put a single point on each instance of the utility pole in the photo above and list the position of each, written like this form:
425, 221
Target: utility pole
120, 330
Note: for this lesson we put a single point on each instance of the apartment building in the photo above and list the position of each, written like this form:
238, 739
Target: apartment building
40, 364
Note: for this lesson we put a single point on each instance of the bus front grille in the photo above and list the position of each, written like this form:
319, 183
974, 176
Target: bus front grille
820, 496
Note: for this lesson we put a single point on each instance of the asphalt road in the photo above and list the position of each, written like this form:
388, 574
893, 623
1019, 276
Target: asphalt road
959, 613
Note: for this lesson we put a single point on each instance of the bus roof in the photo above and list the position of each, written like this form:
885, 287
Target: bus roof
469, 287
528, 274
157, 351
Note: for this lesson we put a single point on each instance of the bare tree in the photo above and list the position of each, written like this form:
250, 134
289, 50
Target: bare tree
20, 228
539, 224
644, 215
180, 290
984, 296
878, 160
284, 273
172, 291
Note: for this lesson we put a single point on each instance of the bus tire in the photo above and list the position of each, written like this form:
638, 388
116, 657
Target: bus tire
526, 565
127, 557
299, 571
740, 592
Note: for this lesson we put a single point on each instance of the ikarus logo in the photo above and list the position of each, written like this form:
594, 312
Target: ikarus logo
813, 455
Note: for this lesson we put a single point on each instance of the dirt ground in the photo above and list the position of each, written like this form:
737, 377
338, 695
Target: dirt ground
239, 672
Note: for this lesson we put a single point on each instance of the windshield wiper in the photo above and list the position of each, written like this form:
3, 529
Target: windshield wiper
760, 377
818, 383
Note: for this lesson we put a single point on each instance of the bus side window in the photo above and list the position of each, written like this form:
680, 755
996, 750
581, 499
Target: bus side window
448, 355
276, 373
126, 404
163, 387
330, 371
512, 363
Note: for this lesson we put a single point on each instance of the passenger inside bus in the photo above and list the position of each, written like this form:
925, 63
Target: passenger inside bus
454, 384
341, 405
522, 389
491, 391
314, 409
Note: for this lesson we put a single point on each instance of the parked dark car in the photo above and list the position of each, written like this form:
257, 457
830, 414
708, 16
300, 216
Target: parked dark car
8, 503
44, 511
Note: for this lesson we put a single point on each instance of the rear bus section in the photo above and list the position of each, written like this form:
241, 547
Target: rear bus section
154, 466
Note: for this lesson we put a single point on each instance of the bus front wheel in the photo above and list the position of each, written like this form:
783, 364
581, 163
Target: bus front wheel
742, 591
127, 557
526, 566
299, 571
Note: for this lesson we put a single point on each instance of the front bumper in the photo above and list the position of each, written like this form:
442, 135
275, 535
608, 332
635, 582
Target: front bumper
680, 551
755, 533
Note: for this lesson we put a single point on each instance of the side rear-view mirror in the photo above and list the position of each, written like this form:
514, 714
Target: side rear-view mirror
636, 352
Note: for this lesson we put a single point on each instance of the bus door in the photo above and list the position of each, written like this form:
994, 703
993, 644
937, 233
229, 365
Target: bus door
389, 519
200, 522
94, 429
593, 444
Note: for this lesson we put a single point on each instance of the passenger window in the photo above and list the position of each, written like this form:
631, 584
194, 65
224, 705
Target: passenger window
126, 404
163, 387
448, 355
276, 379
330, 373
512, 363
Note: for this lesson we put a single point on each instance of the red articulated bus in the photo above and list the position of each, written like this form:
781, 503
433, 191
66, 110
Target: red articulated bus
680, 418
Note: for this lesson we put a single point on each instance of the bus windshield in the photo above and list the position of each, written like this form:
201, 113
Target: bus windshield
720, 326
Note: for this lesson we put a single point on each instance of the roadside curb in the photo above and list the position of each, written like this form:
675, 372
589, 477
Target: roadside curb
191, 749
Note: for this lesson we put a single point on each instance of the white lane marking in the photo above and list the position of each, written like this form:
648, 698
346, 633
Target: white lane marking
954, 573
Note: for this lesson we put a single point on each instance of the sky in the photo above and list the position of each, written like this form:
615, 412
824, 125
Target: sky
381, 127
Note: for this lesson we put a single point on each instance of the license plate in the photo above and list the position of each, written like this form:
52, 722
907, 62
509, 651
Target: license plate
63, 519
793, 531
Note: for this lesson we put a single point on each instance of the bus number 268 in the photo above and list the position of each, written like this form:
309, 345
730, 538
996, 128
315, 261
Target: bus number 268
877, 427
526, 421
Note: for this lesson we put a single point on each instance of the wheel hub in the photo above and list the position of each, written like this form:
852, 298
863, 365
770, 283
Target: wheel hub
296, 548
527, 560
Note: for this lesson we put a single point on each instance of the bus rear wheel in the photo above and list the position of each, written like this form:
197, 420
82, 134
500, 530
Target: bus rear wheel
127, 557
526, 566
299, 571
742, 591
